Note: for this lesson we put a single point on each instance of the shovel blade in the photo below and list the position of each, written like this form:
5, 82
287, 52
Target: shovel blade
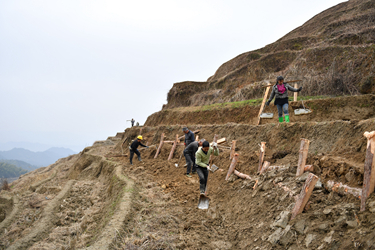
203, 202
213, 168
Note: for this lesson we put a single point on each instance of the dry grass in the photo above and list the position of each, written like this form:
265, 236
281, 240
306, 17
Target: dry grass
5, 185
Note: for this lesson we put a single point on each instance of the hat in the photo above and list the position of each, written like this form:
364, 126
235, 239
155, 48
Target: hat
185, 129
205, 144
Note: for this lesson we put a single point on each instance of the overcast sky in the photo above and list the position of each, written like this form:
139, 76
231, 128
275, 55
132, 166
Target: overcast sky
72, 72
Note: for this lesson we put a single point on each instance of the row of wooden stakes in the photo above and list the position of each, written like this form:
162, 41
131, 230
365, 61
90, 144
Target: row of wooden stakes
308, 187
303, 197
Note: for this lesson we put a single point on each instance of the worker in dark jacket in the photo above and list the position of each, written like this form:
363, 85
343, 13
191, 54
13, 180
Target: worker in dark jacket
133, 148
280, 92
189, 153
189, 136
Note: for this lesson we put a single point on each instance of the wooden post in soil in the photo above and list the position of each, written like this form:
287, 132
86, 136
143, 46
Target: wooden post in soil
305, 194
232, 149
262, 152
303, 151
295, 93
197, 138
232, 166
160, 145
369, 170
265, 167
263, 103
173, 148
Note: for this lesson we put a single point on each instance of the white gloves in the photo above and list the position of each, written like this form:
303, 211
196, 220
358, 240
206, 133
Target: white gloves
214, 144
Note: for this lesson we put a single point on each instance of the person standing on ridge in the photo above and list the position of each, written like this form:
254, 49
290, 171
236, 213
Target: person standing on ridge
189, 153
280, 92
132, 121
189, 136
133, 148
202, 158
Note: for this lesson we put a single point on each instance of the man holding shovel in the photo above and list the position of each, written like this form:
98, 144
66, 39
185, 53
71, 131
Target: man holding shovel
189, 153
202, 158
133, 148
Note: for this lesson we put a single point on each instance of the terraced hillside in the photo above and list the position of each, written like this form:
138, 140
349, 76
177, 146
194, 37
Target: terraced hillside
333, 53
97, 200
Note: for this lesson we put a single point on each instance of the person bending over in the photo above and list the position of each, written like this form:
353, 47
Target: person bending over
133, 148
202, 158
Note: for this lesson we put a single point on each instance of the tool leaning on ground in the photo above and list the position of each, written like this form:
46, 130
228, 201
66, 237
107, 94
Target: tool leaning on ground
176, 164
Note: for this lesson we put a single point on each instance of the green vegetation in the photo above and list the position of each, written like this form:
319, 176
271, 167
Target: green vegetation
10, 171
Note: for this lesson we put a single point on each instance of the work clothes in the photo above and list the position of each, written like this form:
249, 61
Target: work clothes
280, 92
203, 177
202, 159
132, 121
278, 95
189, 153
281, 108
133, 150
189, 138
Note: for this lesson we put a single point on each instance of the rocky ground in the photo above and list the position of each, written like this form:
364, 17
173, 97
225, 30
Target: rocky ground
97, 200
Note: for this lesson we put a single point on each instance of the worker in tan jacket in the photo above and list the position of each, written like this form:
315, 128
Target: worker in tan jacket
202, 159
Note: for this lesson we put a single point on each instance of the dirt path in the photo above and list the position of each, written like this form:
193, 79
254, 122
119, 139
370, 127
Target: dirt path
117, 220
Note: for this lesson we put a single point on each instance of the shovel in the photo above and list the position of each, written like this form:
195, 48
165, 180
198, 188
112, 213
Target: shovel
204, 201
176, 164
303, 111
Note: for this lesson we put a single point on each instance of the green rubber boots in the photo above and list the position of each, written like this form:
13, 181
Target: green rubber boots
286, 119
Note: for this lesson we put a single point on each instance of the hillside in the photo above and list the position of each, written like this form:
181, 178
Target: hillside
97, 200
333, 53
39, 159
10, 171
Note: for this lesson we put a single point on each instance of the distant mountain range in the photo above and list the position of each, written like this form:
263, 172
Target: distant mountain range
34, 159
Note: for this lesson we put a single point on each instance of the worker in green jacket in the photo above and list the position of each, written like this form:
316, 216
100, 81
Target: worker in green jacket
202, 158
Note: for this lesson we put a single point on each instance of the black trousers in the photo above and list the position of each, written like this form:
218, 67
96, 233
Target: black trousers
132, 154
190, 161
203, 176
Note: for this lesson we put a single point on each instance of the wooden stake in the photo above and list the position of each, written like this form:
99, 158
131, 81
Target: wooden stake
342, 189
232, 149
295, 93
265, 166
263, 103
173, 148
241, 175
197, 138
305, 194
309, 168
303, 151
160, 145
222, 140
232, 166
369, 170
262, 152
